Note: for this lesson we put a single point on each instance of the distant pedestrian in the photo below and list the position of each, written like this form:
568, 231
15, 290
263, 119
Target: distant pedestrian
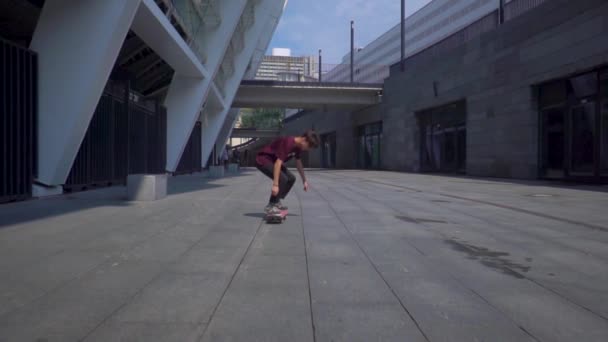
225, 156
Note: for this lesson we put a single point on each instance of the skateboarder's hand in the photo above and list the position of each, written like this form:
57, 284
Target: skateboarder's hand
305, 186
275, 190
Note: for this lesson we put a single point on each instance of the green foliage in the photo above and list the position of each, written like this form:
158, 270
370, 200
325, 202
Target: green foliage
271, 118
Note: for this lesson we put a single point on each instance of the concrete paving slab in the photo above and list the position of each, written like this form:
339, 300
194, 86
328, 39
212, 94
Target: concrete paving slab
175, 298
135, 332
364, 256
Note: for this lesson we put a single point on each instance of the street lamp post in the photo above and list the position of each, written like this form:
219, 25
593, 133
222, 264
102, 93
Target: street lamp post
352, 51
402, 35
320, 66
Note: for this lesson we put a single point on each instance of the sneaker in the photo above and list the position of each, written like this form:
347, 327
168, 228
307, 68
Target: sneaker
281, 206
269, 207
274, 210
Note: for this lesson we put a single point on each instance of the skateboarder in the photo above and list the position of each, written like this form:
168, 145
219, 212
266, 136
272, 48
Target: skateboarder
271, 162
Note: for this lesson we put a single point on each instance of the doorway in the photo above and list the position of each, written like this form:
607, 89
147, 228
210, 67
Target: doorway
443, 138
574, 128
328, 150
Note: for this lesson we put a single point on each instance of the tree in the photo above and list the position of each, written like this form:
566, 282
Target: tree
266, 118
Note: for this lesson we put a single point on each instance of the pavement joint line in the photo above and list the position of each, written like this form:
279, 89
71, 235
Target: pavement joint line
153, 279
503, 206
465, 286
312, 317
219, 302
525, 232
533, 281
375, 267
77, 276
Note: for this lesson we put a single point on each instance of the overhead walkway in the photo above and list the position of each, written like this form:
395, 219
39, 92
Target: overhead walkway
307, 95
255, 133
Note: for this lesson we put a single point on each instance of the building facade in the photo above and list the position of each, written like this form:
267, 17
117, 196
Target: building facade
434, 22
525, 98
288, 68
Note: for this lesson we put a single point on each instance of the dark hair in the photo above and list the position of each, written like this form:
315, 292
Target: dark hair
312, 138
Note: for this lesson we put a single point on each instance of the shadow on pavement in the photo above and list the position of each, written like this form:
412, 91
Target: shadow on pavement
262, 215
40, 209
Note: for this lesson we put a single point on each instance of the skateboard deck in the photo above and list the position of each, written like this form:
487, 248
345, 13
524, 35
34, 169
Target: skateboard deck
276, 218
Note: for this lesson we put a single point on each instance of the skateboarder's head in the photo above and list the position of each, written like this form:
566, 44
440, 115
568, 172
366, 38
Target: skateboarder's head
308, 140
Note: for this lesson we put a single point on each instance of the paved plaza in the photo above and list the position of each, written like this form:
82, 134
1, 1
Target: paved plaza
363, 256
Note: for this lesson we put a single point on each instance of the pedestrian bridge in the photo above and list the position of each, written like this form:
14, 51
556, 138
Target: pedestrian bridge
255, 133
307, 95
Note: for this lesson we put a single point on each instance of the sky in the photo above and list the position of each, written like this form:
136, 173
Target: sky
310, 25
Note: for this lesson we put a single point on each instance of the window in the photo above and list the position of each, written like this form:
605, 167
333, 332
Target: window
443, 138
574, 127
370, 146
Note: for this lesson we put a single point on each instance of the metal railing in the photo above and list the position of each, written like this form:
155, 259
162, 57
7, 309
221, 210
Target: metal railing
102, 159
512, 9
18, 114
147, 139
125, 136
485, 24
330, 73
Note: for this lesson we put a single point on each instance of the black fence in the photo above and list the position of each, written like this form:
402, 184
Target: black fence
18, 108
122, 139
192, 157
147, 138
102, 159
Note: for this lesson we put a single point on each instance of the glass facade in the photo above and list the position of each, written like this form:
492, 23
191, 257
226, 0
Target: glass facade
604, 121
328, 150
443, 139
574, 127
369, 154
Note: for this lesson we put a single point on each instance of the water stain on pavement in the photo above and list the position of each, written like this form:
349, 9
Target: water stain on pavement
493, 259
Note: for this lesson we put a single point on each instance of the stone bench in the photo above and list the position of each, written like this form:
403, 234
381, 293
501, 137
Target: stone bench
144, 187
216, 171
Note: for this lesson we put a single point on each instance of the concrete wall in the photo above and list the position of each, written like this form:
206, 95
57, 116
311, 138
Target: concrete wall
322, 123
496, 75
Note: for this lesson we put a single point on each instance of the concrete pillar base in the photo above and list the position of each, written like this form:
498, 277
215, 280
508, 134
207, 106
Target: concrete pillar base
233, 168
216, 171
43, 191
146, 187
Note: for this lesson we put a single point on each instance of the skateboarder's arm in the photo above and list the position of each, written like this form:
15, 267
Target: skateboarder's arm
301, 171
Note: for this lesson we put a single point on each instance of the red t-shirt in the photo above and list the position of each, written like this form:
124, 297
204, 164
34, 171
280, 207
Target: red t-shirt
283, 148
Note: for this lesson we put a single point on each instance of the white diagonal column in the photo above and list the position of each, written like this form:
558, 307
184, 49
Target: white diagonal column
186, 94
253, 23
258, 54
77, 44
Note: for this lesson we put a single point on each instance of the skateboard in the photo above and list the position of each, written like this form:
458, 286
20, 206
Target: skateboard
276, 218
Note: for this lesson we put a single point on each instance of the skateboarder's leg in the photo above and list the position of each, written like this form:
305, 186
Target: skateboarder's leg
286, 181
289, 181
268, 171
